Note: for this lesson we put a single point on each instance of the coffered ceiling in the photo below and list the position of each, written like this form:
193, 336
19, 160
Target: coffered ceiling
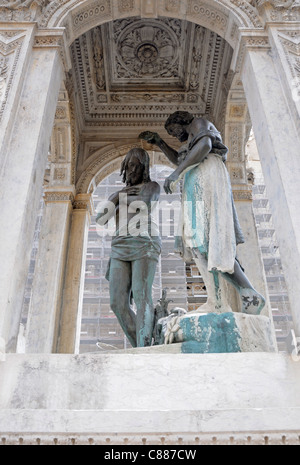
135, 72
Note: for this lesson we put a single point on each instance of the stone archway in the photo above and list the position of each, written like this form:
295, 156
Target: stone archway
266, 54
221, 16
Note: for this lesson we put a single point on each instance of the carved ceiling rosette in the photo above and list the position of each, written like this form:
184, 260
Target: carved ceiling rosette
147, 51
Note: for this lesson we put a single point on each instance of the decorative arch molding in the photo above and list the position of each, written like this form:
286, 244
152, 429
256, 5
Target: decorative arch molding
224, 17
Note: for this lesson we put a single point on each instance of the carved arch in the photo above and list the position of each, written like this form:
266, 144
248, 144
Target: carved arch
221, 16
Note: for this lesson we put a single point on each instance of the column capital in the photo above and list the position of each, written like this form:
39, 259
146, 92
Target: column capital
254, 39
84, 202
54, 38
242, 193
250, 40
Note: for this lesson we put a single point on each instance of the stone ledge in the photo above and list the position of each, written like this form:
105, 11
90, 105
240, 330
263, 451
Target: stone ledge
123, 422
149, 394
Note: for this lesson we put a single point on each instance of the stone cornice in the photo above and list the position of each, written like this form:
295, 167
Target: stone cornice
55, 196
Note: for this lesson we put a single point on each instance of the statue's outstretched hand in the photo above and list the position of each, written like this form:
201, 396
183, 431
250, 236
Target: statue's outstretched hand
169, 182
151, 137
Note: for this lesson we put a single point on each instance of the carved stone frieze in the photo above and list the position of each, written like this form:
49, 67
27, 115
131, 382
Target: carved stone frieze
242, 195
290, 41
55, 196
10, 49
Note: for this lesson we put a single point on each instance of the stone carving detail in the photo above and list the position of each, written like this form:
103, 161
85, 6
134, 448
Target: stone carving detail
212, 17
172, 5
147, 97
99, 75
239, 195
58, 197
163, 63
83, 202
3, 74
60, 113
146, 50
248, 8
283, 10
59, 174
18, 10
10, 48
87, 15
237, 174
126, 5
197, 57
290, 41
236, 143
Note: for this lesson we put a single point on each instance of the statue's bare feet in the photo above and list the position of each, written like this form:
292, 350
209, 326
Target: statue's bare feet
252, 302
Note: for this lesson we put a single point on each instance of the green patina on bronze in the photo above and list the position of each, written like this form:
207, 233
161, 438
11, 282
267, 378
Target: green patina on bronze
210, 333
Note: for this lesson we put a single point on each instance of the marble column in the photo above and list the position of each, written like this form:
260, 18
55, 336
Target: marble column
237, 128
276, 130
26, 127
70, 321
45, 303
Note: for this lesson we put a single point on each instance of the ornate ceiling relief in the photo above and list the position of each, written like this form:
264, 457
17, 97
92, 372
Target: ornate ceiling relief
130, 71
147, 51
10, 48
290, 41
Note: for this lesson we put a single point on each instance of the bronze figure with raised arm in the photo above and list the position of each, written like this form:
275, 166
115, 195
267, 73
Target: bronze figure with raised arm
209, 230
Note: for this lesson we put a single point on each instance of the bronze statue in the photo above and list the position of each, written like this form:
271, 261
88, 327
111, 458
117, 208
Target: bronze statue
210, 230
136, 247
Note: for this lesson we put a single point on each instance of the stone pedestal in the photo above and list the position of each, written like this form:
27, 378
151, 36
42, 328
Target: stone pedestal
149, 398
222, 333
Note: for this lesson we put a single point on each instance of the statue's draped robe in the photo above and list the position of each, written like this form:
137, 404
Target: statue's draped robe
209, 220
